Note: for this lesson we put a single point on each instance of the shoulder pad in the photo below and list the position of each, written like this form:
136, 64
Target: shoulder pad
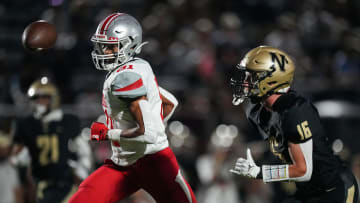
140, 61
143, 65
128, 84
300, 122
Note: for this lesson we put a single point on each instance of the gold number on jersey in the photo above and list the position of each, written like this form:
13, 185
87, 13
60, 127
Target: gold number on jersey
304, 130
49, 149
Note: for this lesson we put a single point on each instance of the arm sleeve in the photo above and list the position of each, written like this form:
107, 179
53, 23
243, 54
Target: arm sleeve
307, 150
172, 99
128, 84
299, 125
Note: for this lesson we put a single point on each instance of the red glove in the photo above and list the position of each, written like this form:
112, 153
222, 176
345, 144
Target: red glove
98, 131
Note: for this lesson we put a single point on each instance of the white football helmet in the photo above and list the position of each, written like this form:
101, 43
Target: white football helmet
118, 29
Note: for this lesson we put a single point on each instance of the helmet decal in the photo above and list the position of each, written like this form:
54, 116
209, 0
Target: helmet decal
281, 63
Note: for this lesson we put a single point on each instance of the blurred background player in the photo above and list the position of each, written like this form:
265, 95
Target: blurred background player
291, 125
53, 143
135, 109
11, 190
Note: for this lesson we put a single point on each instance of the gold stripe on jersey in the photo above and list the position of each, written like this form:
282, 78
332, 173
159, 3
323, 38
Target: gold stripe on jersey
350, 194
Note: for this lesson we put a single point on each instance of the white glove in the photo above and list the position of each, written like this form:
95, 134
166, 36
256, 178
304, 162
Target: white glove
246, 167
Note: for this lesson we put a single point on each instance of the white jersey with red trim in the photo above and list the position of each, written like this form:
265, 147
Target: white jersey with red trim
133, 79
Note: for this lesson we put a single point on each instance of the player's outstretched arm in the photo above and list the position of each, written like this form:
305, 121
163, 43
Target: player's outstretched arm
300, 170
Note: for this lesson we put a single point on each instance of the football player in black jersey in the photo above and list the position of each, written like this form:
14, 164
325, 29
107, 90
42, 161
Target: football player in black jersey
291, 125
46, 134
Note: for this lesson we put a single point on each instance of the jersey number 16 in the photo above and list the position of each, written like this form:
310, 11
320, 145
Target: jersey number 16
304, 130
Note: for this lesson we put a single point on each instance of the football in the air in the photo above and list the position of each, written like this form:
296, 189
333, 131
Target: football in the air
39, 35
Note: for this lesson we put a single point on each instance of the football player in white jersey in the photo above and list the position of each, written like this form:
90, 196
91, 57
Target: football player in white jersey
136, 109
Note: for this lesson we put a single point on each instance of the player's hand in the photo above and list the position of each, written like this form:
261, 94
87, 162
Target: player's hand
246, 167
98, 131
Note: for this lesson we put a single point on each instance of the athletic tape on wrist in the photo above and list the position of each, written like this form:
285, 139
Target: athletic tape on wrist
272, 173
114, 134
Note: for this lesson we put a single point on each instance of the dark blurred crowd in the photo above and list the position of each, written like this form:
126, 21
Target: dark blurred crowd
193, 46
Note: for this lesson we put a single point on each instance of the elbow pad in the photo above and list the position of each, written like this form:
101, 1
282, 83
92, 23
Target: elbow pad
307, 150
152, 122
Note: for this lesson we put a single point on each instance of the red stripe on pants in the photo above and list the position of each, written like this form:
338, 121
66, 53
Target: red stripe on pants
154, 173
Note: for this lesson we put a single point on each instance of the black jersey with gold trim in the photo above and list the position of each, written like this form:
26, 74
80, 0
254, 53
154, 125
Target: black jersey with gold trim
48, 145
295, 119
